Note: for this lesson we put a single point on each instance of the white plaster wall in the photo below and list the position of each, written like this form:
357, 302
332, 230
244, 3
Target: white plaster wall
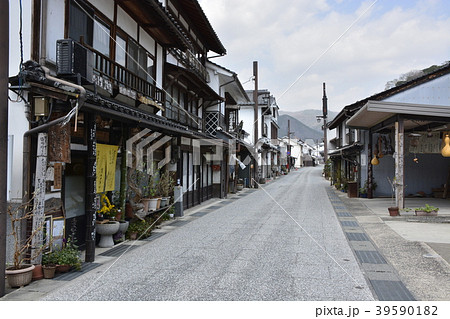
17, 123
246, 115
104, 6
127, 24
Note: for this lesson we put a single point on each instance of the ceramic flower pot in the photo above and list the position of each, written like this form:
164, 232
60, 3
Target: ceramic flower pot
49, 271
37, 273
63, 268
19, 277
106, 232
393, 211
164, 201
153, 204
146, 202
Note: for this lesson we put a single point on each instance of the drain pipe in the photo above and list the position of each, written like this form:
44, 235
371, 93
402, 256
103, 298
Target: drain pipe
26, 136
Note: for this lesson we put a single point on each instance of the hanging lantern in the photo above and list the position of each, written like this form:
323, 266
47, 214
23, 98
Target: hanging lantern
446, 145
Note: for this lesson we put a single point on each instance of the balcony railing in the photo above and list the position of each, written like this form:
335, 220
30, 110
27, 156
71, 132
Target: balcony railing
177, 114
189, 61
108, 75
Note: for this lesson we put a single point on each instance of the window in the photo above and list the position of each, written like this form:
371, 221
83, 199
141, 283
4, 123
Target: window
133, 56
121, 50
101, 37
80, 23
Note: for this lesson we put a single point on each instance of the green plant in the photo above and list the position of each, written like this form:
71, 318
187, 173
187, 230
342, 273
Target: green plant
68, 255
363, 190
49, 259
141, 227
366, 185
165, 184
150, 190
427, 208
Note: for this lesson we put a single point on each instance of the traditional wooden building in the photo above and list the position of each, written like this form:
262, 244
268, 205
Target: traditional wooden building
110, 85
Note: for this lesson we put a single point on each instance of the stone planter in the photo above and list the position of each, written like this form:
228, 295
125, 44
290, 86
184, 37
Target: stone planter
123, 226
19, 277
424, 213
106, 232
49, 271
239, 187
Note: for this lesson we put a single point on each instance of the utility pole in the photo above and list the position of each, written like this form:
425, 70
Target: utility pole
289, 157
325, 113
255, 123
4, 64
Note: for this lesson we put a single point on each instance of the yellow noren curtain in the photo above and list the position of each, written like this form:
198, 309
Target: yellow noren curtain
106, 167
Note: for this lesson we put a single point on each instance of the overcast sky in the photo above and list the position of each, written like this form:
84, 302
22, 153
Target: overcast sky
286, 37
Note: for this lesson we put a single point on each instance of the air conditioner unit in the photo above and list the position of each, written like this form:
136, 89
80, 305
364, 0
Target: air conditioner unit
74, 60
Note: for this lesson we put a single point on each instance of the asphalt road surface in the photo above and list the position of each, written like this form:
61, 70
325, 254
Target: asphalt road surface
282, 242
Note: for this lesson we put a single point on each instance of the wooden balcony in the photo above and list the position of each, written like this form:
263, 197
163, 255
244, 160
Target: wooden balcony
189, 61
117, 79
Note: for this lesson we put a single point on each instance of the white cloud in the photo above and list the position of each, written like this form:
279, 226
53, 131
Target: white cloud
286, 36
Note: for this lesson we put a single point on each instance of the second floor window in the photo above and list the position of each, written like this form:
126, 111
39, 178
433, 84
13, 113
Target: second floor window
101, 37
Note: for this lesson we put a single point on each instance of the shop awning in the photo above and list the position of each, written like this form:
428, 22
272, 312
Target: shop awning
374, 112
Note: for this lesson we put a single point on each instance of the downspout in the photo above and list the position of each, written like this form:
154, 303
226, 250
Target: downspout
26, 136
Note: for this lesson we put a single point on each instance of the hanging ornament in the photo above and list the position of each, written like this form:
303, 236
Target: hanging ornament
375, 160
446, 142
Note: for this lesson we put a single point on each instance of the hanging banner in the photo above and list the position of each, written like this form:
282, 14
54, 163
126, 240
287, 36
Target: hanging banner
106, 167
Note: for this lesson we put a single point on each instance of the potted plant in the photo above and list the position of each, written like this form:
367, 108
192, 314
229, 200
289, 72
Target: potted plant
67, 257
49, 264
363, 192
426, 210
20, 273
165, 186
393, 210
139, 229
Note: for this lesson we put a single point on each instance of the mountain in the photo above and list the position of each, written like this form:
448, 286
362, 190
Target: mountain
299, 129
308, 117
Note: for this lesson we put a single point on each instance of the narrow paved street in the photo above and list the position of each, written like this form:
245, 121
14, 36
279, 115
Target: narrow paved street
282, 242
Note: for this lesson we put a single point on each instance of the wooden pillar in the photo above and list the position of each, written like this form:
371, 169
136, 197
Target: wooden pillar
399, 163
4, 64
369, 167
91, 176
